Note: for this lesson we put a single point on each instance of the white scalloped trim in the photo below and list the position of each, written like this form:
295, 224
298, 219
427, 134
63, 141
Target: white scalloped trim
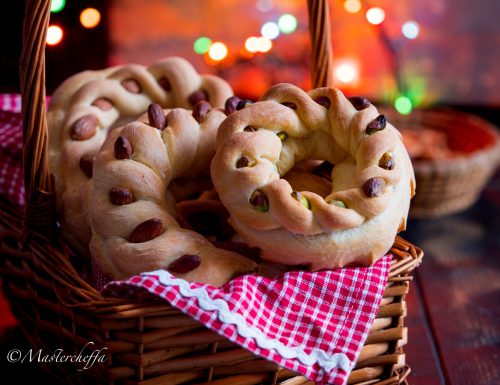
325, 361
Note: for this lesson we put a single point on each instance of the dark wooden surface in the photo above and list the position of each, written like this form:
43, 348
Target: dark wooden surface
454, 303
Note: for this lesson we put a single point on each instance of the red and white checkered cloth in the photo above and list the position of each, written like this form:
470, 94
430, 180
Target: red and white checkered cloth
311, 323
11, 149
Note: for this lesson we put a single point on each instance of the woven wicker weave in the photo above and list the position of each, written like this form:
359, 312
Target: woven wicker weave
147, 342
446, 186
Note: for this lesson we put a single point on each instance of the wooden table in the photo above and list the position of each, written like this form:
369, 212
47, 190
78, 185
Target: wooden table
454, 303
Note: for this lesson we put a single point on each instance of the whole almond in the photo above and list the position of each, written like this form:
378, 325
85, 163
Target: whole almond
184, 264
86, 163
132, 86
103, 104
200, 110
359, 102
197, 96
84, 128
123, 148
121, 196
377, 124
374, 187
146, 231
230, 105
157, 117
323, 101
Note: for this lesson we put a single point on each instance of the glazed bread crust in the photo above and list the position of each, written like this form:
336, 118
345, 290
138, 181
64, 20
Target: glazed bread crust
88, 105
132, 209
372, 181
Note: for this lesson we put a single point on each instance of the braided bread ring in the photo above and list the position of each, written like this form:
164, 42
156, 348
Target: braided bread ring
132, 211
89, 104
372, 181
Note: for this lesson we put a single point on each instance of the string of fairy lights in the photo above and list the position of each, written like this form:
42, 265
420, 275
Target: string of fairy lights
214, 52
89, 18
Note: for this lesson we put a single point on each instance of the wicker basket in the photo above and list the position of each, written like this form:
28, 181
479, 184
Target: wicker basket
450, 185
147, 342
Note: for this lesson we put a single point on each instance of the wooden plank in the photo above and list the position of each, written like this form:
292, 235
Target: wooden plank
461, 291
420, 350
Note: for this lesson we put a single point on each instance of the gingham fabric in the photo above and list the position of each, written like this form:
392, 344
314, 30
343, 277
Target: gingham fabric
312, 323
11, 149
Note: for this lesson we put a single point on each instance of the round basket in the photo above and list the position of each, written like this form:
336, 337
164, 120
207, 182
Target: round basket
446, 186
147, 342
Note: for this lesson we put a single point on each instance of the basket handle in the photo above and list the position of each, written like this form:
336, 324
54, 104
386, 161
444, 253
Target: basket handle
39, 215
320, 35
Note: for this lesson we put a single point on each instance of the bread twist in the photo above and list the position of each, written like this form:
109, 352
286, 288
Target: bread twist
90, 104
372, 179
132, 210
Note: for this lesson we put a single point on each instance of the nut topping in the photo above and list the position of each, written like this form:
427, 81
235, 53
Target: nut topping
156, 117
123, 149
323, 101
146, 231
299, 197
387, 161
259, 201
84, 128
337, 203
282, 135
231, 104
374, 187
103, 104
184, 264
359, 102
86, 163
121, 196
132, 86
376, 125
197, 96
200, 110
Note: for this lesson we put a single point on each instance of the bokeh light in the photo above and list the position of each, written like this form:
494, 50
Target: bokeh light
270, 30
410, 29
287, 23
375, 15
352, 6
57, 5
202, 45
264, 44
54, 35
218, 51
252, 44
346, 72
403, 105
90, 17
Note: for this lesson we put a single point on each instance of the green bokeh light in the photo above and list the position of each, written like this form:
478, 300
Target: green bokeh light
287, 23
403, 105
202, 45
57, 6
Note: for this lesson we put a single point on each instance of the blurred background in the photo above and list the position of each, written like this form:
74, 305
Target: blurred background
408, 53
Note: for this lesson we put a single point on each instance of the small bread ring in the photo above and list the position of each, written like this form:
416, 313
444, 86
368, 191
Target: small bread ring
132, 210
88, 105
371, 183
